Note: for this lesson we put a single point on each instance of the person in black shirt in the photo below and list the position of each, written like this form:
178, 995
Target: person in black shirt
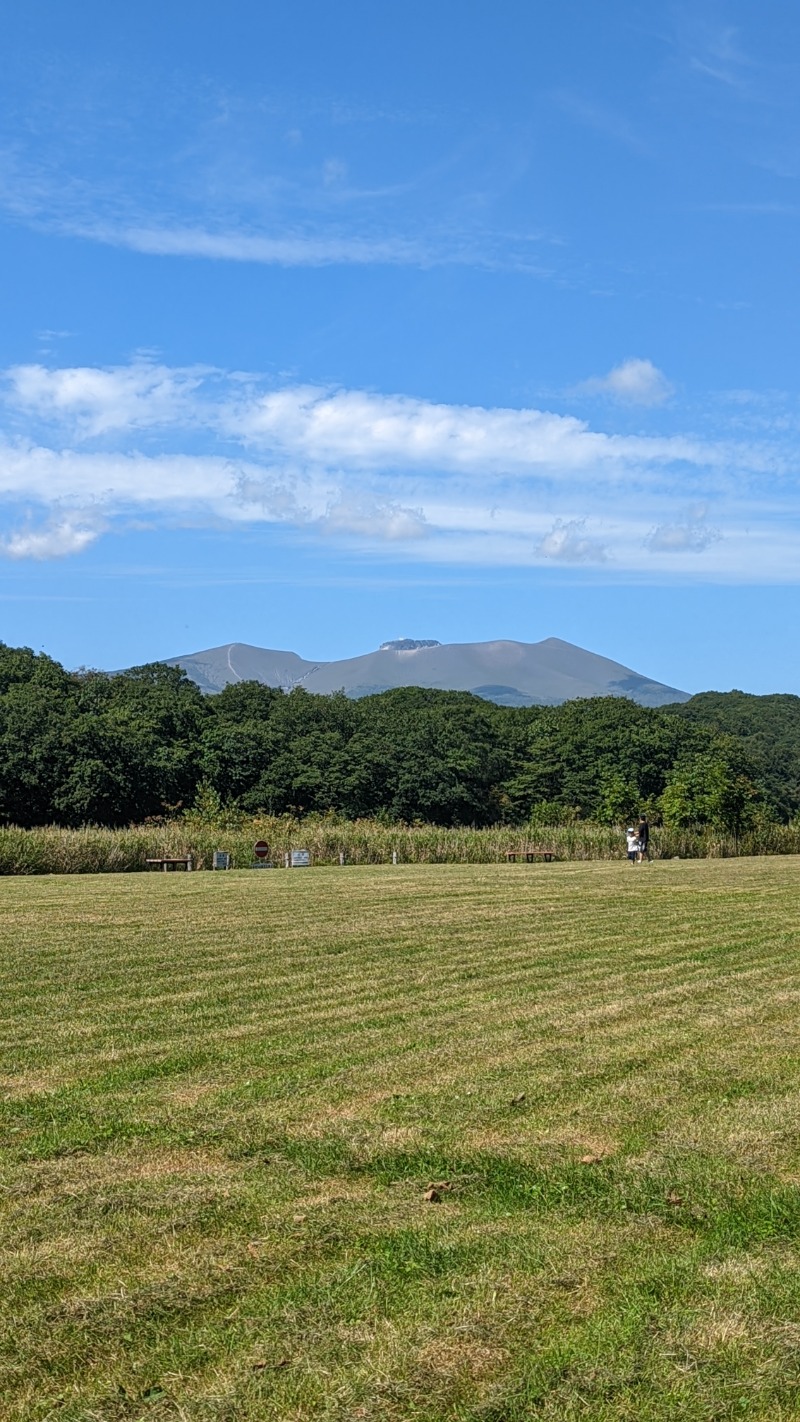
644, 838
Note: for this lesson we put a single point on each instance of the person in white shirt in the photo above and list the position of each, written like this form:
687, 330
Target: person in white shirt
633, 844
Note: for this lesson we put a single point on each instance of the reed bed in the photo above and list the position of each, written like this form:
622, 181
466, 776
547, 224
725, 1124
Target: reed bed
95, 850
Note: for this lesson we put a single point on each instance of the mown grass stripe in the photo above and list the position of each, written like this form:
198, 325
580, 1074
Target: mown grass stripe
223, 1099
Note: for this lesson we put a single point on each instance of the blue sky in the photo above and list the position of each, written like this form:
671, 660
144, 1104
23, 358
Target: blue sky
325, 324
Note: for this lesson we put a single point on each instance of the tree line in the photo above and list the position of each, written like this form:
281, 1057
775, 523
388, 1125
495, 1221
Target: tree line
90, 748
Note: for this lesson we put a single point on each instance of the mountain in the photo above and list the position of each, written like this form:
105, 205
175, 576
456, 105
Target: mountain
510, 673
216, 668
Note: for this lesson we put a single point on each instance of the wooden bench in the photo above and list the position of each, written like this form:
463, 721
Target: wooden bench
167, 864
529, 853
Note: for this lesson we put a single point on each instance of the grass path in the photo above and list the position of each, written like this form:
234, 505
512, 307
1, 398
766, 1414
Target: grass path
224, 1098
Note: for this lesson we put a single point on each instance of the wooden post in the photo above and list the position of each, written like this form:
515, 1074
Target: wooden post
341, 857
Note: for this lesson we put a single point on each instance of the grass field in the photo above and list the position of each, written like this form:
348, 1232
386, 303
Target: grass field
225, 1098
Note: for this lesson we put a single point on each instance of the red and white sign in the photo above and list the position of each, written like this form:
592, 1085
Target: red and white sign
261, 849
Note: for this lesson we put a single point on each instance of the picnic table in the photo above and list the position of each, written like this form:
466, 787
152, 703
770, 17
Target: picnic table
166, 864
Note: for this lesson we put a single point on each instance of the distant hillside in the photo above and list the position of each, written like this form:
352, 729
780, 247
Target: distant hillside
510, 673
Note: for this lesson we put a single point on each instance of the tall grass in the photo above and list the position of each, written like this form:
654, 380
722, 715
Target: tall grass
94, 850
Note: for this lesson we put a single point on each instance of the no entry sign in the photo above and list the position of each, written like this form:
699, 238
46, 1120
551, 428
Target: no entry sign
261, 849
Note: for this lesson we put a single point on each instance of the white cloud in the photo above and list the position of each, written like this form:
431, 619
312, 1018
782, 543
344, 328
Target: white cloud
327, 426
54, 540
359, 428
273, 495
633, 382
370, 519
92, 447
690, 534
116, 481
567, 542
101, 400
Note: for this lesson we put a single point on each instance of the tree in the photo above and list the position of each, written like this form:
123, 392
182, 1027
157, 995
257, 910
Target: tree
619, 799
88, 747
429, 755
768, 727
714, 789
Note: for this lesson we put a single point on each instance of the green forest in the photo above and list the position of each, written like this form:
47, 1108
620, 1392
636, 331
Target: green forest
80, 748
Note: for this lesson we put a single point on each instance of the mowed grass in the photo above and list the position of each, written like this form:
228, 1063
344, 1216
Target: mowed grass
224, 1098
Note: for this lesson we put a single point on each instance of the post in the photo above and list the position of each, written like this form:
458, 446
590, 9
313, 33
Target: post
287, 863
341, 857
394, 856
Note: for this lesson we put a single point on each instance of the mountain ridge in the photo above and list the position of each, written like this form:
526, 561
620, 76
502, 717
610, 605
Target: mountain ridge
512, 673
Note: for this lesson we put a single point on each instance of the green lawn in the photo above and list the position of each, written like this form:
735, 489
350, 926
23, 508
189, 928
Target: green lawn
225, 1097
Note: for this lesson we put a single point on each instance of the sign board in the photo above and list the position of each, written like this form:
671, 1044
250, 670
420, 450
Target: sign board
221, 860
300, 858
261, 849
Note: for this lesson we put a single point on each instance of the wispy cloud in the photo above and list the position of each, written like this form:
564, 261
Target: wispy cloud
288, 249
752, 209
690, 534
88, 449
212, 193
598, 116
719, 52
569, 543
367, 518
294, 243
729, 59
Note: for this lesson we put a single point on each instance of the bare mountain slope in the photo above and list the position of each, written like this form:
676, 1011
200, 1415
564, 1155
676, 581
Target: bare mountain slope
217, 667
513, 673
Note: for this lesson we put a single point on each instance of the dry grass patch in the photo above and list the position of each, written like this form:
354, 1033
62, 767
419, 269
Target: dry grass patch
458, 1360
191, 1093
27, 1084
718, 1329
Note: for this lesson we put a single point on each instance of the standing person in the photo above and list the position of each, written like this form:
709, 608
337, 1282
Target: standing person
632, 840
644, 839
